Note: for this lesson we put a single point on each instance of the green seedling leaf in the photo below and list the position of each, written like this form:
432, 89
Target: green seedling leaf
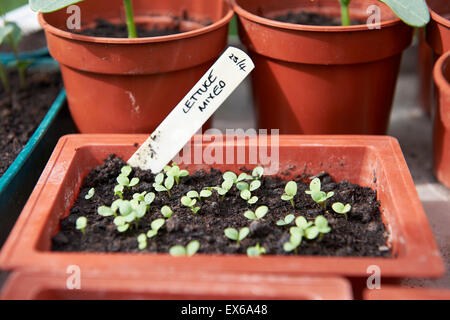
253, 200
193, 194
125, 208
241, 186
243, 176
254, 185
168, 183
149, 198
250, 215
261, 211
286, 221
205, 193
230, 176
50, 5
255, 251
311, 233
258, 172
291, 188
231, 233
159, 178
139, 196
246, 195
105, 211
177, 251
125, 171
142, 241
340, 208
81, 224
90, 194
302, 223
166, 212
322, 224
157, 224
192, 248
123, 180
314, 185
133, 182
413, 12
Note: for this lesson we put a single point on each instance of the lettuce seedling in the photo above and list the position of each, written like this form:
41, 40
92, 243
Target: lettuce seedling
259, 213
142, 241
286, 221
205, 193
256, 251
319, 229
296, 234
90, 194
290, 190
246, 190
168, 183
412, 12
340, 208
257, 173
130, 211
81, 224
105, 211
155, 225
175, 172
234, 234
317, 195
166, 212
191, 249
188, 202
224, 188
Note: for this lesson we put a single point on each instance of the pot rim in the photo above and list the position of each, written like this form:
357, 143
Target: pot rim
297, 27
438, 18
439, 78
126, 41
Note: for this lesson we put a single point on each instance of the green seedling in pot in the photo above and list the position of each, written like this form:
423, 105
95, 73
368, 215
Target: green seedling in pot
205, 193
259, 213
155, 225
290, 190
167, 212
224, 188
191, 249
90, 194
247, 189
124, 181
130, 212
105, 211
231, 176
412, 12
168, 183
286, 221
234, 234
142, 241
81, 224
257, 173
296, 234
319, 229
340, 208
144, 197
317, 195
52, 5
188, 202
175, 172
256, 251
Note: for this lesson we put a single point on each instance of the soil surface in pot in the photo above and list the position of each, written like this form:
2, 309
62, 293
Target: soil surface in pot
363, 234
29, 42
312, 19
22, 111
107, 29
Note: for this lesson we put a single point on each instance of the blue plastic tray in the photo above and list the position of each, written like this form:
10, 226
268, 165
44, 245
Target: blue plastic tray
18, 181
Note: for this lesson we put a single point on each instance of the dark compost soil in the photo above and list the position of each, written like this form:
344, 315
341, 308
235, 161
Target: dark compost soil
23, 110
312, 19
362, 235
107, 29
29, 42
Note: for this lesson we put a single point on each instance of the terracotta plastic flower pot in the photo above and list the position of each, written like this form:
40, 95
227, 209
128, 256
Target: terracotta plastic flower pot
322, 80
376, 162
399, 293
117, 85
438, 30
441, 130
29, 286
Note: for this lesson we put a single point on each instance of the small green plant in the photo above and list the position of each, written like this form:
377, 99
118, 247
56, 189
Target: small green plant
52, 5
205, 193
340, 208
319, 229
168, 183
124, 181
188, 202
259, 213
256, 251
90, 194
191, 249
296, 234
290, 190
247, 189
412, 12
155, 225
81, 224
130, 211
257, 172
317, 195
144, 197
234, 234
105, 211
142, 241
286, 221
224, 188
167, 212
175, 172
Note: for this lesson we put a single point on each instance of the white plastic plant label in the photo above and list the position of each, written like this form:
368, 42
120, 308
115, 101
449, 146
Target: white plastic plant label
193, 111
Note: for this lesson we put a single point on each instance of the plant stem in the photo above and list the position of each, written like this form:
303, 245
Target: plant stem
130, 19
4, 78
345, 12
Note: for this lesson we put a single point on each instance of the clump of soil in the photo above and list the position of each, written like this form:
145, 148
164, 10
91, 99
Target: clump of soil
363, 234
312, 19
21, 111
29, 42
